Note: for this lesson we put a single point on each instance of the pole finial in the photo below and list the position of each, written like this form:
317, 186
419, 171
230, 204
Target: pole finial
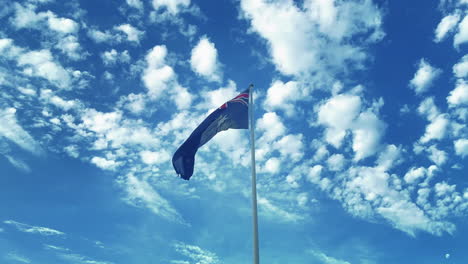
251, 85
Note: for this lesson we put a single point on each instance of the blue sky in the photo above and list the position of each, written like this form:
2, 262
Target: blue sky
361, 109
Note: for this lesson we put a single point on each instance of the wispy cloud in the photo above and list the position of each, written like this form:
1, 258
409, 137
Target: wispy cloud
196, 254
17, 258
45, 231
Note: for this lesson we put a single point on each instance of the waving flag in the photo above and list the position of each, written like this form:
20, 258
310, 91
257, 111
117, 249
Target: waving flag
232, 114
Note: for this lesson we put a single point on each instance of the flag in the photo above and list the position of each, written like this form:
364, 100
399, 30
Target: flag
232, 114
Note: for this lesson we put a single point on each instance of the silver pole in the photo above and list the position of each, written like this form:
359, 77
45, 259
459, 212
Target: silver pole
254, 177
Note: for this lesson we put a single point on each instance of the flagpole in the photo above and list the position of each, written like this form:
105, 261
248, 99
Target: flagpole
254, 177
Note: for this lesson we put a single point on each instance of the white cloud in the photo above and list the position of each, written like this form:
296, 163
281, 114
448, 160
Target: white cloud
446, 25
428, 108
390, 157
41, 64
461, 147
155, 157
436, 130
338, 114
45, 231
459, 95
157, 75
104, 163
437, 156
461, 68
325, 259
140, 193
112, 57
138, 4
195, 254
133, 34
100, 36
12, 130
283, 96
215, 98
204, 60
367, 133
70, 46
60, 24
173, 6
414, 174
291, 146
462, 34
336, 162
271, 125
273, 165
314, 174
18, 258
424, 77
313, 37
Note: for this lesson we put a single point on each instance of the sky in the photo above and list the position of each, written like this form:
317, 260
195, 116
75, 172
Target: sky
361, 112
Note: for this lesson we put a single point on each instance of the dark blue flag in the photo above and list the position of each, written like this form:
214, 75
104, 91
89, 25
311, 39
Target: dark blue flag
232, 114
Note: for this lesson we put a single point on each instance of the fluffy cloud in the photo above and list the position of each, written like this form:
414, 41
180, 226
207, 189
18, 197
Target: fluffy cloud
154, 157
132, 33
112, 57
315, 36
446, 25
424, 77
283, 96
459, 95
462, 34
157, 75
337, 115
204, 60
41, 64
173, 6
104, 163
461, 147
461, 68
367, 133
437, 129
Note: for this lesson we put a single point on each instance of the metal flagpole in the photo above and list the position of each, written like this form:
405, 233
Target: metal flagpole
254, 177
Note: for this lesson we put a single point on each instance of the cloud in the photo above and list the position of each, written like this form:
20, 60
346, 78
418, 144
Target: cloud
313, 37
459, 95
17, 258
45, 231
70, 46
138, 4
367, 133
446, 25
436, 130
195, 254
41, 64
13, 131
157, 75
133, 34
101, 36
337, 115
204, 60
284, 96
461, 68
154, 157
60, 24
141, 194
424, 77
325, 259
104, 163
461, 147
462, 34
172, 6
113, 57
